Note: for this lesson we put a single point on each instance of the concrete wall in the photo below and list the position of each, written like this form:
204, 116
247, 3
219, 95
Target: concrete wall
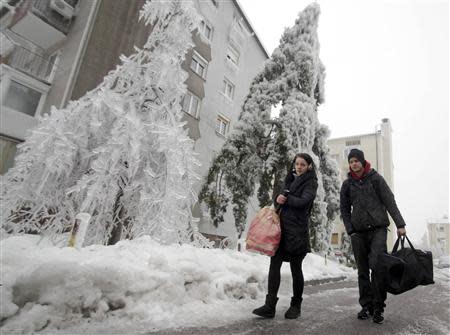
115, 32
70, 56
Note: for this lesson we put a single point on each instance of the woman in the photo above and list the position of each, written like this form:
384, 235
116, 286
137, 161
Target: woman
295, 202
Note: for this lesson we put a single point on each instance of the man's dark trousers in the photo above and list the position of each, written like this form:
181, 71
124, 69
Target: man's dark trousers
366, 248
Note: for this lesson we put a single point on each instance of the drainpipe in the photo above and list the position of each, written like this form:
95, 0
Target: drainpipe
80, 52
376, 146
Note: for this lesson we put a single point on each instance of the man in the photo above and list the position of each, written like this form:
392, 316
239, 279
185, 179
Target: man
365, 197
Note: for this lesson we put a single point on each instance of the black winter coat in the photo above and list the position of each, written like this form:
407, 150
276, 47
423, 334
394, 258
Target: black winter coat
295, 214
364, 203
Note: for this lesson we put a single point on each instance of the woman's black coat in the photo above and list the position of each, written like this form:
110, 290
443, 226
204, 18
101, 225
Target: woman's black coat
295, 214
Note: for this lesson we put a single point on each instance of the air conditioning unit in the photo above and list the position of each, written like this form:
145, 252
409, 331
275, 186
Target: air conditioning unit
62, 8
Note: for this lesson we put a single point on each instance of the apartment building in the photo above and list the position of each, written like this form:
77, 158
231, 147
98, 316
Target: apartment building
439, 236
40, 50
69, 58
377, 147
237, 55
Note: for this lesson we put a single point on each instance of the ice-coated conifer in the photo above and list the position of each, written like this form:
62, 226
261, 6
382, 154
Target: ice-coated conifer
119, 153
260, 148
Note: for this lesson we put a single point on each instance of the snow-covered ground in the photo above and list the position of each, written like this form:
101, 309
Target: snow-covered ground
133, 286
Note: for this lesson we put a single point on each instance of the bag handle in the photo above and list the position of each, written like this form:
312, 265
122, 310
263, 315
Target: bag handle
410, 244
395, 248
401, 240
277, 208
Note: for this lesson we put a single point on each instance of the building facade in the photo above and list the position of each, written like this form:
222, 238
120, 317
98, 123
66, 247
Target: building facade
439, 236
41, 43
377, 149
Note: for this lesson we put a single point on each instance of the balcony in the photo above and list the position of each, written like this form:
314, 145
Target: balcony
38, 66
43, 22
44, 11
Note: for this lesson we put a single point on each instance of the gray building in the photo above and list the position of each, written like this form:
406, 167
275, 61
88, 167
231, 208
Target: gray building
232, 54
73, 55
42, 43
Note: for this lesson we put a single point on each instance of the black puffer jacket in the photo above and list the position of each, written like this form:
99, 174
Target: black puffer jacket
295, 214
364, 203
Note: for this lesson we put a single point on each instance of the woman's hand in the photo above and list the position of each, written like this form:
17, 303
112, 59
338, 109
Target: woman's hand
281, 199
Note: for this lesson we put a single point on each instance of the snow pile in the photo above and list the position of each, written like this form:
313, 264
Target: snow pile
138, 282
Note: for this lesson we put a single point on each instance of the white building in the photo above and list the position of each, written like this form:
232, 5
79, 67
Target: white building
439, 236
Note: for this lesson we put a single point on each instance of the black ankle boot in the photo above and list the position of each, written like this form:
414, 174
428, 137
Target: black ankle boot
378, 316
294, 310
365, 312
268, 309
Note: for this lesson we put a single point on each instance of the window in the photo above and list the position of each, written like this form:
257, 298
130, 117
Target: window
199, 65
228, 89
352, 142
233, 54
334, 238
222, 125
191, 104
8, 148
206, 30
240, 26
22, 98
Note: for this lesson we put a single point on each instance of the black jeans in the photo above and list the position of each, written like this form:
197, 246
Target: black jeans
366, 247
298, 282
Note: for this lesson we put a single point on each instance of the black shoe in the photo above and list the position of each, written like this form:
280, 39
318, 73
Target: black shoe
365, 312
294, 310
292, 313
268, 309
378, 317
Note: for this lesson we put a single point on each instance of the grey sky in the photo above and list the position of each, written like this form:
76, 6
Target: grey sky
383, 59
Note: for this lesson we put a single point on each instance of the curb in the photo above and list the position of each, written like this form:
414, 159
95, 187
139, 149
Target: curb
314, 282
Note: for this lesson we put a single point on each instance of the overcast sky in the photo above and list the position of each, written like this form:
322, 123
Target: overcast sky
383, 59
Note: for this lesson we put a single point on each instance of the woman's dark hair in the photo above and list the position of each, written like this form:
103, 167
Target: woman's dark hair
307, 158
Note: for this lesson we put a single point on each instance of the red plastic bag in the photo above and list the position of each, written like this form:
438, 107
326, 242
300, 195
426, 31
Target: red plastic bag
264, 233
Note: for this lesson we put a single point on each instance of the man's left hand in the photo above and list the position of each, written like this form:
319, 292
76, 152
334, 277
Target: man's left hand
401, 231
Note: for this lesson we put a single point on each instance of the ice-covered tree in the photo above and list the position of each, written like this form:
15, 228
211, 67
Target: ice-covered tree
120, 153
260, 149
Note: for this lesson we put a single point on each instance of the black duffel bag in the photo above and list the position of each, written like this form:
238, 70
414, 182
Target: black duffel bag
404, 269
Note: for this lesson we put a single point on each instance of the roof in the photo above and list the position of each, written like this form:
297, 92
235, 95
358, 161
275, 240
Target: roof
247, 20
438, 221
353, 136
